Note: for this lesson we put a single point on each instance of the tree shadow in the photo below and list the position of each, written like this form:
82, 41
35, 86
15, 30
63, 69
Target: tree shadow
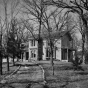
6, 86
82, 73
78, 68
31, 84
28, 82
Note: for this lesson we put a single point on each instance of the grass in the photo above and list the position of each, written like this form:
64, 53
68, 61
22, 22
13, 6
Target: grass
5, 72
23, 77
65, 76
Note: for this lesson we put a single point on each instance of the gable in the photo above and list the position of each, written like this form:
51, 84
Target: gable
66, 41
69, 36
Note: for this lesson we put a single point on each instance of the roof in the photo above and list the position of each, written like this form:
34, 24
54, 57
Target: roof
53, 35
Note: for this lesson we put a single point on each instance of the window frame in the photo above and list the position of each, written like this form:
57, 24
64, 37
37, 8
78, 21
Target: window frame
33, 54
32, 42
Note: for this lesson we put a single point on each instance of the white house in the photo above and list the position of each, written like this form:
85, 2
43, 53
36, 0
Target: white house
63, 47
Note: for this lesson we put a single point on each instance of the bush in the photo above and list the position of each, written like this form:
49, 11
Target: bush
77, 63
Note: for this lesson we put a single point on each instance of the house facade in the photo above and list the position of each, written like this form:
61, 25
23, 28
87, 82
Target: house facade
24, 55
63, 48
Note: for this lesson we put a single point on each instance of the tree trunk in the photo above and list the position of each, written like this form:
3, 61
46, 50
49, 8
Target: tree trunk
8, 69
22, 57
40, 51
86, 47
51, 51
0, 63
13, 60
83, 50
83, 37
86, 40
52, 64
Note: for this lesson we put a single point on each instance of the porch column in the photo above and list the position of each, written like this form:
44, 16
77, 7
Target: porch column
55, 53
44, 53
67, 53
29, 59
22, 56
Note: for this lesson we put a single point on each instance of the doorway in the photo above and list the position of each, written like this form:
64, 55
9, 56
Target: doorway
27, 55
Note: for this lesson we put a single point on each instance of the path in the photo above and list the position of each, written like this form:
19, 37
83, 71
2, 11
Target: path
24, 76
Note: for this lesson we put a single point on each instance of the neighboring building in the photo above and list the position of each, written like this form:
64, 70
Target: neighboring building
63, 48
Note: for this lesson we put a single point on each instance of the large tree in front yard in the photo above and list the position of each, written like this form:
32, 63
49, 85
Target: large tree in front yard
52, 21
47, 21
57, 23
35, 10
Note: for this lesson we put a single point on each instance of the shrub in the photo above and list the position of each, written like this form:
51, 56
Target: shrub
77, 63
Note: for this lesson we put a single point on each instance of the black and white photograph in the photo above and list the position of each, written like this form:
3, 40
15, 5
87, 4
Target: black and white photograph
43, 44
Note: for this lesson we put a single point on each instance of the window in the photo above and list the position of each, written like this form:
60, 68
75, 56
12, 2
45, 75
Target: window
32, 42
33, 54
47, 53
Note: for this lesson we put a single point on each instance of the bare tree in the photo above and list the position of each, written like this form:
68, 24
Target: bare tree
58, 26
7, 23
79, 7
35, 8
38, 11
82, 31
46, 21
1, 46
6, 28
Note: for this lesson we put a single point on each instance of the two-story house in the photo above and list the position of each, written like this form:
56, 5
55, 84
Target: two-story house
63, 47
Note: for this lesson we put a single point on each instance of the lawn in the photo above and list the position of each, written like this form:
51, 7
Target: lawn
65, 76
24, 76
5, 72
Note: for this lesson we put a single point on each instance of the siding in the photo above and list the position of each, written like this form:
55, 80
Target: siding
33, 48
58, 49
66, 42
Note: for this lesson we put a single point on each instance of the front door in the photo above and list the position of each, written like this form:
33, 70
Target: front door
64, 54
27, 55
70, 55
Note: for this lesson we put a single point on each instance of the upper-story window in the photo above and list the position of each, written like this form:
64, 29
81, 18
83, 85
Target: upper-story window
32, 42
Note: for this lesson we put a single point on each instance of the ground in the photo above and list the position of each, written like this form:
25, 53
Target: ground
64, 76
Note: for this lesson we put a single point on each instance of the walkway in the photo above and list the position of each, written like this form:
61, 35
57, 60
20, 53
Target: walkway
26, 74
